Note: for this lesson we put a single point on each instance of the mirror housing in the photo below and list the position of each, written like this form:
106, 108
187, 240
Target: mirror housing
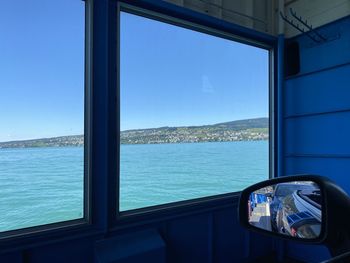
335, 229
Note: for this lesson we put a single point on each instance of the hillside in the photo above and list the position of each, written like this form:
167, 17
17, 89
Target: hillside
72, 140
241, 130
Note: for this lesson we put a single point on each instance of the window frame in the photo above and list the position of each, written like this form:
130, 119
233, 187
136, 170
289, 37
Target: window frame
102, 124
157, 212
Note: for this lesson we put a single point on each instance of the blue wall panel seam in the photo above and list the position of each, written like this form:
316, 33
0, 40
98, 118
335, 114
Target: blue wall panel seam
316, 71
315, 114
336, 156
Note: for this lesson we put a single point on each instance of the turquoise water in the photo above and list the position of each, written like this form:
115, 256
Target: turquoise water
40, 186
45, 185
161, 173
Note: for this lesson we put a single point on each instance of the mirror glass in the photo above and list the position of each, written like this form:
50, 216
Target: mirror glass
291, 208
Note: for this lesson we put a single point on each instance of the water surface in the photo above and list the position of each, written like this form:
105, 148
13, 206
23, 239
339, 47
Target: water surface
45, 185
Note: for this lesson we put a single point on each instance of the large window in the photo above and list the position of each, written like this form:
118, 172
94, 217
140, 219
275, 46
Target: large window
194, 113
41, 112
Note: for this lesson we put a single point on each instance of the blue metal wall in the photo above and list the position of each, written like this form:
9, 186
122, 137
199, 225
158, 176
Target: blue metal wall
317, 116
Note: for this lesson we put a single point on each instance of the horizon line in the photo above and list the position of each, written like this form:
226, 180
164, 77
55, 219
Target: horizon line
136, 129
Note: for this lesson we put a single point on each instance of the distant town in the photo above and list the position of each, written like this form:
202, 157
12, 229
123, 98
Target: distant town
241, 130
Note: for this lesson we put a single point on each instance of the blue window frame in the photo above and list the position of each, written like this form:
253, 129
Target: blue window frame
127, 11
101, 181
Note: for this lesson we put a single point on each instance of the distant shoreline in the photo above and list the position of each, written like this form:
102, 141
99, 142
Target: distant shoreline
241, 130
78, 146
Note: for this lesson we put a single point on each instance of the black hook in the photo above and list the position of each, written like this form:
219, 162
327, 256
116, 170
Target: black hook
300, 19
296, 26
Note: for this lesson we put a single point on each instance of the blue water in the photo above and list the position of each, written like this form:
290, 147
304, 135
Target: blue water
162, 173
40, 186
45, 185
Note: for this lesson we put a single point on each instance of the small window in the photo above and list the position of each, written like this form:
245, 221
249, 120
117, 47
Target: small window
194, 113
41, 112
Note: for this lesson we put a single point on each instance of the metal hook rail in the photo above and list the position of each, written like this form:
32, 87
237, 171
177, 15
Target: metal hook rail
311, 33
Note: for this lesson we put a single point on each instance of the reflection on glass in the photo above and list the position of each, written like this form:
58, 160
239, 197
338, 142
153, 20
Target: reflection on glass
292, 209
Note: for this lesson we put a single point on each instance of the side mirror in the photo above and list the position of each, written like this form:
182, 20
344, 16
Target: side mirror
293, 209
306, 208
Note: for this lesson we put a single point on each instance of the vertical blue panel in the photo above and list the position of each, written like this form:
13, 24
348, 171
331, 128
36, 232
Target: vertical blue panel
189, 239
99, 120
316, 93
260, 245
142, 246
321, 134
229, 237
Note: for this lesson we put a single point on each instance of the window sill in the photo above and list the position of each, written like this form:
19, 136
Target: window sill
161, 213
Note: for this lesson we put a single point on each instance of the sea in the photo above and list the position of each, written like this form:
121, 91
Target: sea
45, 185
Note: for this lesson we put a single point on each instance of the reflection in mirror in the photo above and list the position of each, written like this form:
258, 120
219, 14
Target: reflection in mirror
292, 209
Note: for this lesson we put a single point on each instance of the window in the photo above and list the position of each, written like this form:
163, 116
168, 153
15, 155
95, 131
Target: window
194, 113
41, 112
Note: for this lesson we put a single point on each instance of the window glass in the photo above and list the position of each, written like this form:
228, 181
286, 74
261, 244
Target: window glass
41, 112
193, 116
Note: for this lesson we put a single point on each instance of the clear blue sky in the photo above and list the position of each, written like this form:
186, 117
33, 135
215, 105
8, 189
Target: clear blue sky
41, 68
170, 76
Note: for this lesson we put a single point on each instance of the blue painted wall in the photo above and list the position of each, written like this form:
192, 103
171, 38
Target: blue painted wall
317, 116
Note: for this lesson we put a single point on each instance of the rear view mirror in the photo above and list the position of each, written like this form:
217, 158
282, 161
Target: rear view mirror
292, 209
306, 208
